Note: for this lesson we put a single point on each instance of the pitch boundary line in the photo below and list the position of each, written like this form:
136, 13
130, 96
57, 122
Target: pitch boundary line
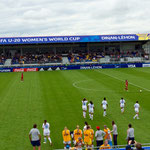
123, 81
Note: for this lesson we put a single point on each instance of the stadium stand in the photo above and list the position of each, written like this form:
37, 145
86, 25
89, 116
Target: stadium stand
2, 59
36, 58
108, 56
75, 57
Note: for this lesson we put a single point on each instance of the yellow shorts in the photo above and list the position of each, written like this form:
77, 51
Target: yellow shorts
89, 142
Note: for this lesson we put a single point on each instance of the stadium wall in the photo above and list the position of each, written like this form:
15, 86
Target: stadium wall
73, 67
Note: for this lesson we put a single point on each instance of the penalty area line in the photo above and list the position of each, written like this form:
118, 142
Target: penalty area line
123, 80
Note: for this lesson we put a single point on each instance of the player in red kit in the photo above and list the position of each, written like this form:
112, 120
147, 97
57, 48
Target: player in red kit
22, 76
126, 85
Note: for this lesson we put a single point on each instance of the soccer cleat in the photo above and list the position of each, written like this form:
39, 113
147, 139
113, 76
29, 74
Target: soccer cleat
138, 118
44, 142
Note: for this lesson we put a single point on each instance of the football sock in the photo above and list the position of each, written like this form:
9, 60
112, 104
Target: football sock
45, 139
90, 116
84, 114
49, 140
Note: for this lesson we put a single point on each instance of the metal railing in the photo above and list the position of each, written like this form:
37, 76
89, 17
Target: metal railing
117, 147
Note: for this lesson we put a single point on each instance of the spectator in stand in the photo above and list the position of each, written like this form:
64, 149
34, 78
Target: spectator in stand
105, 145
108, 135
138, 146
35, 137
130, 134
99, 134
115, 133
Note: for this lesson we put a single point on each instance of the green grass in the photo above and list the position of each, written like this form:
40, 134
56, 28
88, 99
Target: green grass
56, 96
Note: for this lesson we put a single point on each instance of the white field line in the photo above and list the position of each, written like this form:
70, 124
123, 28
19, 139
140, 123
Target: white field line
123, 81
75, 85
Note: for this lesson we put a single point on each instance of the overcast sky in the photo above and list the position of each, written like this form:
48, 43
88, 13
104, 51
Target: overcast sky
73, 17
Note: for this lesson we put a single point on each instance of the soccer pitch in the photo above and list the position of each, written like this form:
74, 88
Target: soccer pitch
56, 96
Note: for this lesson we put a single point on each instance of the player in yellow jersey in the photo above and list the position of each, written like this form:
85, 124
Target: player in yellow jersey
87, 137
66, 137
79, 143
76, 134
92, 134
108, 135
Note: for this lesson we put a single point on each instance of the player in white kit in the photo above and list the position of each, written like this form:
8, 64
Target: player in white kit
46, 131
91, 109
122, 104
84, 107
136, 108
104, 106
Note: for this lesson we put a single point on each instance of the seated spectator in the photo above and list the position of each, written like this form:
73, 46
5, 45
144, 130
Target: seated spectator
138, 146
128, 147
105, 145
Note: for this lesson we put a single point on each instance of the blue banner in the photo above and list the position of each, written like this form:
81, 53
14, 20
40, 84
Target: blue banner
68, 39
74, 67
5, 69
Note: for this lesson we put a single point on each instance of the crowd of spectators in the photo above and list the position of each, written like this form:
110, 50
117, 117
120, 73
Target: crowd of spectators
42, 58
87, 57
114, 55
2, 59
38, 58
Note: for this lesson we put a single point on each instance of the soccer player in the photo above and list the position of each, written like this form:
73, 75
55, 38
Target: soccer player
108, 135
76, 134
46, 131
122, 104
79, 143
91, 109
136, 108
85, 126
126, 85
66, 137
104, 106
22, 76
87, 137
92, 134
84, 107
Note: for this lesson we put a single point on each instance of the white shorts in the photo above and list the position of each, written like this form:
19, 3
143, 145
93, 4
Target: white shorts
91, 110
136, 110
68, 142
46, 133
104, 107
84, 108
122, 105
